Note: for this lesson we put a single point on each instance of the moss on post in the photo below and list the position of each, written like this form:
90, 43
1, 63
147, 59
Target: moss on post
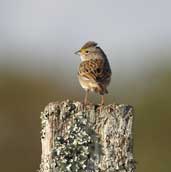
89, 139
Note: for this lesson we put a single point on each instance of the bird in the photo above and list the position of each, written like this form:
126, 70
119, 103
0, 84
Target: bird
94, 72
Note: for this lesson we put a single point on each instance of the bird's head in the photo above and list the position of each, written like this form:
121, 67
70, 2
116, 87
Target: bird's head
89, 51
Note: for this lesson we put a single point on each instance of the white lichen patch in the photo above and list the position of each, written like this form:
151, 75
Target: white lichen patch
72, 151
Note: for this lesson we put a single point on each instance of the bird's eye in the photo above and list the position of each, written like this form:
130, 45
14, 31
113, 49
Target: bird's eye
86, 51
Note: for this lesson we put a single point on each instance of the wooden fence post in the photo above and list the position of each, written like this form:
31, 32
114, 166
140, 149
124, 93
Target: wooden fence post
87, 139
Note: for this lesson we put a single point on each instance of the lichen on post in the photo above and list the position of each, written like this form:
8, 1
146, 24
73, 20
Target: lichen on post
77, 138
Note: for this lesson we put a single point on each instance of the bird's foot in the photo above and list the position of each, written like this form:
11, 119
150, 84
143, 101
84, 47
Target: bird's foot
85, 104
100, 107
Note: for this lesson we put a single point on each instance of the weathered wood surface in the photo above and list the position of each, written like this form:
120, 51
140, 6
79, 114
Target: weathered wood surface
87, 139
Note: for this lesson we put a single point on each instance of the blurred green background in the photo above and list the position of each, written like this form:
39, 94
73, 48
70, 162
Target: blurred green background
37, 66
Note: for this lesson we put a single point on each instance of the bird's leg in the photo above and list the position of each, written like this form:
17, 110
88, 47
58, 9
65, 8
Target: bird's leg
102, 100
86, 97
102, 103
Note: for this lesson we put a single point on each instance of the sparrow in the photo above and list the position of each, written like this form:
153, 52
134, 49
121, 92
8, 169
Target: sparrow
94, 72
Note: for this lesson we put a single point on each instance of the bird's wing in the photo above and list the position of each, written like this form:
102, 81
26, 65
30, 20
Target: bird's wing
96, 69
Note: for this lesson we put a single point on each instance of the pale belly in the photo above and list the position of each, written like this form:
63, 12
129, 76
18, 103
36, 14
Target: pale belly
88, 84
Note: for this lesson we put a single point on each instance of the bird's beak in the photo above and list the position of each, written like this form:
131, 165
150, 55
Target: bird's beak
77, 52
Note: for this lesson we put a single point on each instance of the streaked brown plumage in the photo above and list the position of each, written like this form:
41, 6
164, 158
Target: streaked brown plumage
94, 71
